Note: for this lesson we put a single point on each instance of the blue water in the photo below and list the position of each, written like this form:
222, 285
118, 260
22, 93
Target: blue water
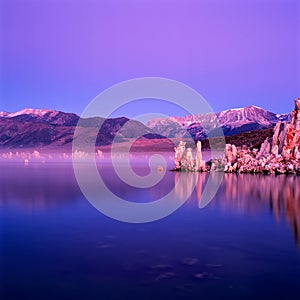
55, 245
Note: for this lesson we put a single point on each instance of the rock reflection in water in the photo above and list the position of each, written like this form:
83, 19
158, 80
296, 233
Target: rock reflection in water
254, 192
189, 181
246, 193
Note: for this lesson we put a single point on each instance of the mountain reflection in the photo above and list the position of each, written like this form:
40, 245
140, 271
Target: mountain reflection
246, 193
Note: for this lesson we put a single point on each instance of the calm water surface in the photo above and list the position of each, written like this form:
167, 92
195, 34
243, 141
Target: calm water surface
54, 245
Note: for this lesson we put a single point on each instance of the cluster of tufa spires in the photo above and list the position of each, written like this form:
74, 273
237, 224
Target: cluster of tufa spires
279, 155
185, 161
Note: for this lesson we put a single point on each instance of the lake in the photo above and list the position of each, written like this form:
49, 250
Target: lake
245, 244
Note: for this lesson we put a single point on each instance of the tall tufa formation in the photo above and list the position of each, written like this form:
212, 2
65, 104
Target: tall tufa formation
185, 161
292, 135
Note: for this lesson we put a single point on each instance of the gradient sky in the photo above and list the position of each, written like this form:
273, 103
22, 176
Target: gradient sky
60, 54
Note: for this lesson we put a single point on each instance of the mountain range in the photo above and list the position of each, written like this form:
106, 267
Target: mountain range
44, 127
232, 121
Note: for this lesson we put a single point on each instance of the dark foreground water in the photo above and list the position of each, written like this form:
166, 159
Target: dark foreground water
55, 245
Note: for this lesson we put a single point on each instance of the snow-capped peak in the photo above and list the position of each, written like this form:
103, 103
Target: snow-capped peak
231, 109
241, 109
256, 107
3, 113
30, 111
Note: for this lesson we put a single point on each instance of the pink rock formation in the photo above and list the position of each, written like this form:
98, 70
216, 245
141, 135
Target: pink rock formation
200, 163
264, 149
179, 152
292, 139
185, 161
188, 161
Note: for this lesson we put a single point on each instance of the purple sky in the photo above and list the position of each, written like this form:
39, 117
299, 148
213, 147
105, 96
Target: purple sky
60, 54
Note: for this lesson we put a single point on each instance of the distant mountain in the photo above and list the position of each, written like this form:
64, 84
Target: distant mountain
232, 122
42, 127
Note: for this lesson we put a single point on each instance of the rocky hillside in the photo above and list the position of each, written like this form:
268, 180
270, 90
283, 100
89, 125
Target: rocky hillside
38, 128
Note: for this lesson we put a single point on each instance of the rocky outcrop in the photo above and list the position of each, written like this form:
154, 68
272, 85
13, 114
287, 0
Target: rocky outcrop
200, 163
264, 150
279, 155
185, 161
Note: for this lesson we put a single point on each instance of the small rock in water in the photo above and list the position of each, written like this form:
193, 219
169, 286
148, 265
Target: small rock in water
160, 168
165, 275
190, 261
202, 275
